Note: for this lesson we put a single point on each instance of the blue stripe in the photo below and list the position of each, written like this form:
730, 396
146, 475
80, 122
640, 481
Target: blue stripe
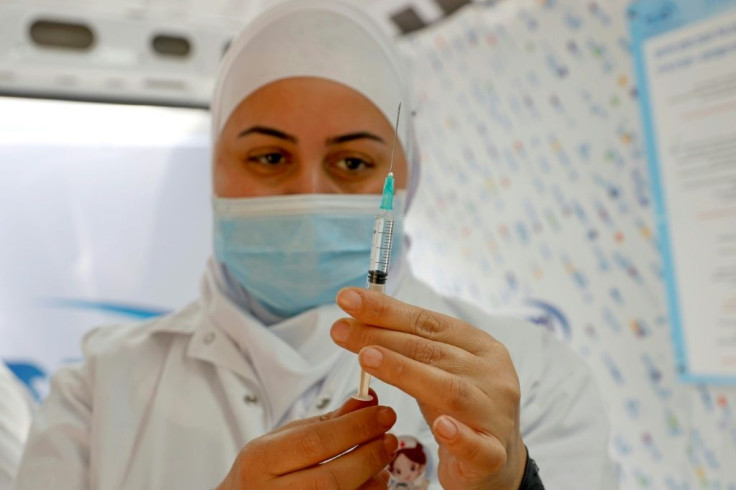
136, 312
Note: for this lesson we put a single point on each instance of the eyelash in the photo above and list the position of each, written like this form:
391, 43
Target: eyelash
261, 156
364, 162
340, 163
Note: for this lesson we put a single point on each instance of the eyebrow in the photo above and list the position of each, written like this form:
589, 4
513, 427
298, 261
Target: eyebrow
352, 137
268, 132
330, 141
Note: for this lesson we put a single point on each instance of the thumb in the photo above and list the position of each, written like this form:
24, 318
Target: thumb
350, 405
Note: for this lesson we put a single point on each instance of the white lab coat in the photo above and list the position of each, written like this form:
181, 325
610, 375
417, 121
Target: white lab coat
15, 419
168, 404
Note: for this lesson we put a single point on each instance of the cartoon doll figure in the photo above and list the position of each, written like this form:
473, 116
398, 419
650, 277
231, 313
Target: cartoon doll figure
407, 468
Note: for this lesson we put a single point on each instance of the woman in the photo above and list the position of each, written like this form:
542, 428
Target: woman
236, 388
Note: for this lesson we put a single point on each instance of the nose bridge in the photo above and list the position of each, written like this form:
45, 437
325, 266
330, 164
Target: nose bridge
311, 178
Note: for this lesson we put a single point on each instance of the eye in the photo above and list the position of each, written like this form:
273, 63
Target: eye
268, 161
413, 467
352, 164
272, 158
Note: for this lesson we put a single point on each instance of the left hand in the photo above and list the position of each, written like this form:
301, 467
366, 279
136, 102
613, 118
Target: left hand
462, 378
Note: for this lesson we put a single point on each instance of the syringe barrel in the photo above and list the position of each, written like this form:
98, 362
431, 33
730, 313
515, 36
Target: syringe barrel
375, 286
383, 236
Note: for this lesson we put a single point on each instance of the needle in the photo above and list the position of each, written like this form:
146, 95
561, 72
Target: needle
393, 147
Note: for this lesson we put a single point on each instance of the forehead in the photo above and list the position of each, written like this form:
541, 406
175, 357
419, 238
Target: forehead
309, 104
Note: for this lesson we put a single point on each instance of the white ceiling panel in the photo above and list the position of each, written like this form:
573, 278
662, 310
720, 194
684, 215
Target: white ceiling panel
121, 64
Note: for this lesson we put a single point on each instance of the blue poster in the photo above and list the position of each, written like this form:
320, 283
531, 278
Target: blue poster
685, 55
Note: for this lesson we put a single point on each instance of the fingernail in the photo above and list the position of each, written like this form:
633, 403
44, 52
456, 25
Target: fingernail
340, 331
445, 428
349, 300
370, 357
386, 417
391, 443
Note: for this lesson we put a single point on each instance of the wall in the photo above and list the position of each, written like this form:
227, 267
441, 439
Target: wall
536, 200
104, 218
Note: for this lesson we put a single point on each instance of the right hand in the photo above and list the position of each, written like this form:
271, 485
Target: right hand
294, 456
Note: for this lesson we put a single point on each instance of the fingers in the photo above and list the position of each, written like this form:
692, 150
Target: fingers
354, 335
302, 446
377, 482
473, 454
352, 470
385, 475
350, 405
373, 308
446, 392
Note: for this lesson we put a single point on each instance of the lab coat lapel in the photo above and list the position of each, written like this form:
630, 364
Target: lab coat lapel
209, 343
286, 359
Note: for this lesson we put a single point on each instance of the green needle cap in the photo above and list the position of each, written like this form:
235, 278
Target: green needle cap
387, 201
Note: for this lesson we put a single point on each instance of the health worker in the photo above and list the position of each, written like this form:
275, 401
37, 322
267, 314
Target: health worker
246, 387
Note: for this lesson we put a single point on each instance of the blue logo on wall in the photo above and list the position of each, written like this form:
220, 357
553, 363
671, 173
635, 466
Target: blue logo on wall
549, 316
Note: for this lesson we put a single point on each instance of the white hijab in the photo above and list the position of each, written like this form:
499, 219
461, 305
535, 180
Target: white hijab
328, 39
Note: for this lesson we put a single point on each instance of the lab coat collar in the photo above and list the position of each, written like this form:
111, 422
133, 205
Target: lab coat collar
286, 359
204, 343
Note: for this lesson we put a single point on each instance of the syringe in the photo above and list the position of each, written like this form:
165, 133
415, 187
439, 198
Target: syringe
383, 237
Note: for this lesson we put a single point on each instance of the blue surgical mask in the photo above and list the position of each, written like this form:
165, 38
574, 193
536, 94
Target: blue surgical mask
293, 253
